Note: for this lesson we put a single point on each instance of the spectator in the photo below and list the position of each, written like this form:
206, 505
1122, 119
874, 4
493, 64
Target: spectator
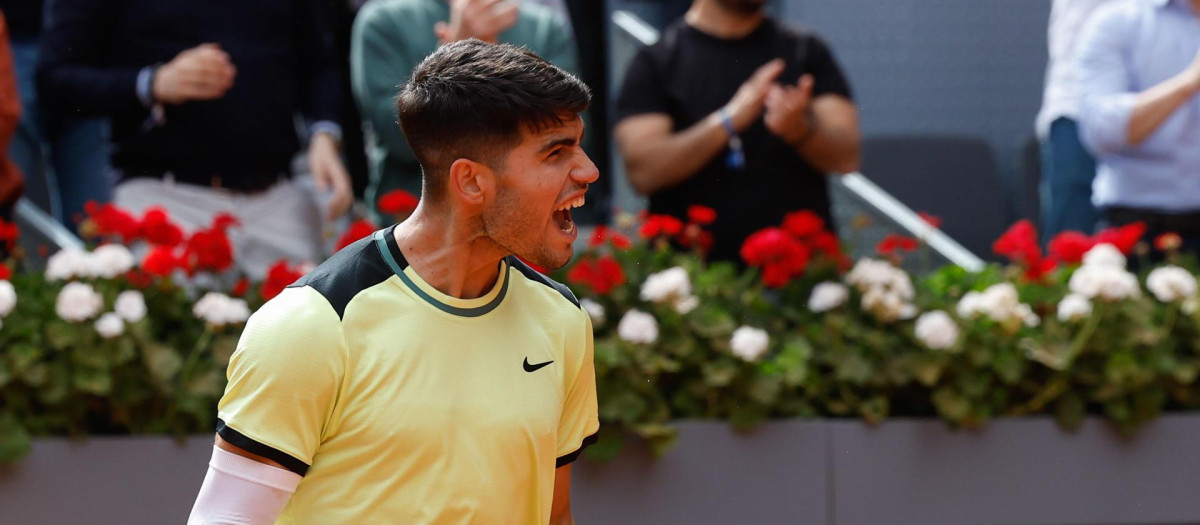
1139, 73
1067, 167
64, 157
733, 110
203, 103
10, 112
392, 36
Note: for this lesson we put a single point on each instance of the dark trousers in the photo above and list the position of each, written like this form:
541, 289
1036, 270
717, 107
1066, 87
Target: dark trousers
1067, 173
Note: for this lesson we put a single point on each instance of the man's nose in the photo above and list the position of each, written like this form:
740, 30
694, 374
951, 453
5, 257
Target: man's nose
586, 172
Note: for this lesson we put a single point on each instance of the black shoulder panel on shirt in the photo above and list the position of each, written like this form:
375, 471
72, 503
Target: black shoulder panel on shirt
351, 270
537, 277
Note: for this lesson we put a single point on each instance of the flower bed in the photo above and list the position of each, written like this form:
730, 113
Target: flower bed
802, 332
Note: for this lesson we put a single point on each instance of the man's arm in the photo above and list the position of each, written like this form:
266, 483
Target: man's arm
1153, 106
242, 488
560, 510
70, 73
1112, 116
657, 158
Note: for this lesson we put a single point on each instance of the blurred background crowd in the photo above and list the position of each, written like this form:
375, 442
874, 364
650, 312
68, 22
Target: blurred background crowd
1075, 114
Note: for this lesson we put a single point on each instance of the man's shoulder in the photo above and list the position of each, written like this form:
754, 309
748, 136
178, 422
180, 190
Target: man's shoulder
558, 292
794, 32
348, 272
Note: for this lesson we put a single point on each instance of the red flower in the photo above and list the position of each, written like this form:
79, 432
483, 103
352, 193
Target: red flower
208, 250
397, 203
279, 276
158, 229
702, 215
5, 272
359, 229
803, 224
657, 225
8, 232
604, 234
695, 237
932, 220
1038, 269
139, 278
1168, 242
895, 243
225, 221
1070, 247
601, 275
826, 243
1123, 237
779, 254
111, 220
1019, 243
160, 261
239, 288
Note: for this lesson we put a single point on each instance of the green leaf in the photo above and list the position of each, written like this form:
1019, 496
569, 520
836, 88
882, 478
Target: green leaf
711, 320
14, 439
92, 380
1070, 411
719, 373
162, 361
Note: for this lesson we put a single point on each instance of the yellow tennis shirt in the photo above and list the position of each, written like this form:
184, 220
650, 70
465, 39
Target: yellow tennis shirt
400, 404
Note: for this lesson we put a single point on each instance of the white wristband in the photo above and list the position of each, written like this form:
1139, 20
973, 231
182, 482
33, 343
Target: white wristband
242, 491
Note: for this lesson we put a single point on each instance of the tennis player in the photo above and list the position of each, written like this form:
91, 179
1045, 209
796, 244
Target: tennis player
425, 375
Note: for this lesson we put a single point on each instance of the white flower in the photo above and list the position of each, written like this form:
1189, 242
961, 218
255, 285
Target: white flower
111, 260
869, 273
1074, 307
827, 296
1190, 305
686, 304
638, 327
971, 305
886, 289
749, 343
937, 330
1110, 283
110, 325
131, 306
667, 286
1000, 301
1025, 313
1104, 255
885, 305
594, 310
8, 298
1171, 283
69, 263
219, 309
78, 302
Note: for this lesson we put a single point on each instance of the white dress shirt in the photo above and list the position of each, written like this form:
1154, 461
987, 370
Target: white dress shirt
1061, 98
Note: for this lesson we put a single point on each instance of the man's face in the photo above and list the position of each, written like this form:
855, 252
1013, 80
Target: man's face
544, 177
743, 6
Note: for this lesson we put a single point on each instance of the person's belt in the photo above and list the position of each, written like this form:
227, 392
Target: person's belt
243, 182
1155, 220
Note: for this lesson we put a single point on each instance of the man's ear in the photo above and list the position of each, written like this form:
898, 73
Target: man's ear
472, 182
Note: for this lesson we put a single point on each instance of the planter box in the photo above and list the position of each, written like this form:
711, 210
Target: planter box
819, 471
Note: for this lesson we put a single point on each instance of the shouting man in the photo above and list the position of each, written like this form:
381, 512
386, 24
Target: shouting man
426, 374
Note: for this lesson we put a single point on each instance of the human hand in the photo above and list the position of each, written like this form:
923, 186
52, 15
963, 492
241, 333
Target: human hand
482, 19
789, 110
747, 104
204, 72
329, 174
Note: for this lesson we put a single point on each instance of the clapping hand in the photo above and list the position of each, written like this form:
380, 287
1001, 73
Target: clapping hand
789, 110
204, 72
482, 19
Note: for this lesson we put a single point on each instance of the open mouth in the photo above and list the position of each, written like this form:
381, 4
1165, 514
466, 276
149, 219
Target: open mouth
562, 216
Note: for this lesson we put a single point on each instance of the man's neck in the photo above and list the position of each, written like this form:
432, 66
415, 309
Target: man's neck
457, 261
710, 17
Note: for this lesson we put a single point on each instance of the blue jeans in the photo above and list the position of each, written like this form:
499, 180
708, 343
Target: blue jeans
1067, 173
64, 159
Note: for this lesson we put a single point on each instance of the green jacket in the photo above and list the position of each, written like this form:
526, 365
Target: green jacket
389, 39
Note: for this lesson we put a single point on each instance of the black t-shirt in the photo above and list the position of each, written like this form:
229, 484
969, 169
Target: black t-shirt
688, 75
